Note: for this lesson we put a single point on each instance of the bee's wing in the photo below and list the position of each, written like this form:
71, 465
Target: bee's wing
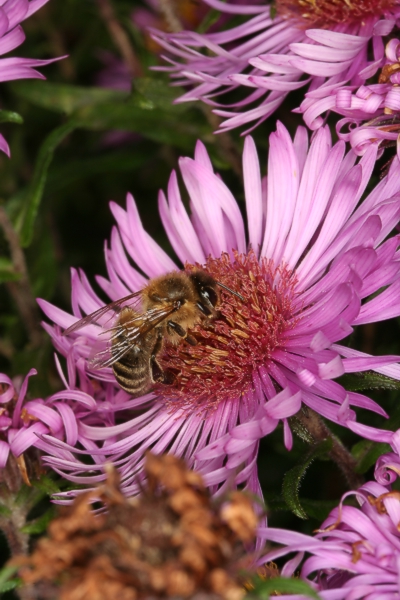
129, 334
97, 314
112, 354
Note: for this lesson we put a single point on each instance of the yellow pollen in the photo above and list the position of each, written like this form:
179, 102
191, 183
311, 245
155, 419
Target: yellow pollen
240, 333
26, 417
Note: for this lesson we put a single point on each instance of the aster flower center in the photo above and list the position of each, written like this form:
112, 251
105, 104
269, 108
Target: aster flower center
232, 347
330, 12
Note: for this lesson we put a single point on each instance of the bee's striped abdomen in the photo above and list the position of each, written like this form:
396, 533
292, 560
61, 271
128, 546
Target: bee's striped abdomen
132, 372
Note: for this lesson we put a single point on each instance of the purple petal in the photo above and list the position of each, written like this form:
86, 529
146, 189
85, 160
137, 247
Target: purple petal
4, 452
21, 397
25, 438
253, 193
10, 391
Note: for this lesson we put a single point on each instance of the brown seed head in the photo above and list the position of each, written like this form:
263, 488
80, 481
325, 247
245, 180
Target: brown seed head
173, 541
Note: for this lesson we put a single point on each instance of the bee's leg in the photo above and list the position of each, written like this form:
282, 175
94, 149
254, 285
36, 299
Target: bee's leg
177, 328
157, 373
182, 333
190, 339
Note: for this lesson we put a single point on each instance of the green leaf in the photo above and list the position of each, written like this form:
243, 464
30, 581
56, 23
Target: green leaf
152, 93
367, 453
116, 161
181, 125
368, 380
275, 503
7, 272
35, 193
8, 116
40, 524
149, 93
318, 509
6, 583
142, 112
43, 269
292, 479
46, 485
10, 585
5, 511
26, 496
301, 430
264, 589
64, 98
31, 495
211, 17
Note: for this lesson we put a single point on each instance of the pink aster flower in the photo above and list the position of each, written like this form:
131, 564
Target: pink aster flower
319, 43
19, 425
356, 552
387, 468
12, 13
23, 423
313, 264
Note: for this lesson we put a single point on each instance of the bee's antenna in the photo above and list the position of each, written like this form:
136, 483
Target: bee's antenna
229, 290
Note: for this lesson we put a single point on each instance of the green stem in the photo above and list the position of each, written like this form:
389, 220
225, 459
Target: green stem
318, 432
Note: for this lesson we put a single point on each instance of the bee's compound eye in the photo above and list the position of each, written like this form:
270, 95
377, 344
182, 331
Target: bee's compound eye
204, 309
210, 294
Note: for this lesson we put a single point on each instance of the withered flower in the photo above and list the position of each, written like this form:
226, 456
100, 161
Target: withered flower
171, 542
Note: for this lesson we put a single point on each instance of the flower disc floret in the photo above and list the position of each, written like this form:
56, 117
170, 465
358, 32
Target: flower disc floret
242, 338
331, 12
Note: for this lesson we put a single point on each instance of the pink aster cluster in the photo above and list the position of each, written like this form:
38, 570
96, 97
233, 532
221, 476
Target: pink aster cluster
313, 263
12, 13
372, 110
279, 48
17, 426
23, 422
356, 552
68, 416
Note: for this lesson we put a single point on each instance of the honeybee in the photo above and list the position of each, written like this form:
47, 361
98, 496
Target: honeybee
170, 305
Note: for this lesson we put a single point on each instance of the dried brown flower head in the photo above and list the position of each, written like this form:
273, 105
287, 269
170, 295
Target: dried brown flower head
171, 542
